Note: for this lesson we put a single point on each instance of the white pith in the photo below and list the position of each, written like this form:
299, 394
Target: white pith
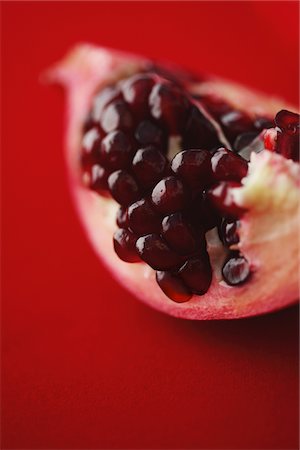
90, 68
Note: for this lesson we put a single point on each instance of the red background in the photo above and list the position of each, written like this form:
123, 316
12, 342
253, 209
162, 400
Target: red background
84, 364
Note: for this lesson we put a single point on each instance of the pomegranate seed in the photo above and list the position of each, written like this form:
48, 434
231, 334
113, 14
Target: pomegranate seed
222, 199
142, 219
155, 252
287, 121
225, 165
168, 104
228, 232
173, 287
193, 167
149, 133
196, 274
148, 166
179, 234
98, 178
235, 123
122, 217
115, 116
169, 195
116, 150
136, 91
105, 96
236, 270
287, 143
123, 187
199, 132
124, 245
90, 147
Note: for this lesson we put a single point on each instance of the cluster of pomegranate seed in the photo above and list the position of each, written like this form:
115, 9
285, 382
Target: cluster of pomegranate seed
166, 207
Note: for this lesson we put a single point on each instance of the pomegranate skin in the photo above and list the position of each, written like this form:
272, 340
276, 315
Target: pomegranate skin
87, 69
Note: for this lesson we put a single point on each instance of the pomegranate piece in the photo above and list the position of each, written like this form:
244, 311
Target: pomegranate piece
149, 166
124, 245
155, 252
236, 270
122, 138
169, 195
173, 287
123, 187
193, 167
225, 165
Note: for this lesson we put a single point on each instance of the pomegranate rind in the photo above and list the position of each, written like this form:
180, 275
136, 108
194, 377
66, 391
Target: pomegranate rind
274, 257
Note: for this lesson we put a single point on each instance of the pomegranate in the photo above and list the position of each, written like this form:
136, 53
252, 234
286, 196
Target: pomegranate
188, 187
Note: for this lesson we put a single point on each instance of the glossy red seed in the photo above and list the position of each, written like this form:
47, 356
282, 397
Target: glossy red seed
148, 166
221, 197
288, 146
173, 287
116, 116
169, 195
179, 234
123, 187
136, 90
169, 105
155, 252
142, 219
199, 132
228, 232
124, 245
102, 99
236, 270
122, 217
196, 274
235, 123
226, 165
193, 167
148, 133
91, 147
116, 150
98, 178
287, 143
287, 121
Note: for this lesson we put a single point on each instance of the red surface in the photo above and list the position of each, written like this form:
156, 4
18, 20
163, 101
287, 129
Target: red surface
85, 365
